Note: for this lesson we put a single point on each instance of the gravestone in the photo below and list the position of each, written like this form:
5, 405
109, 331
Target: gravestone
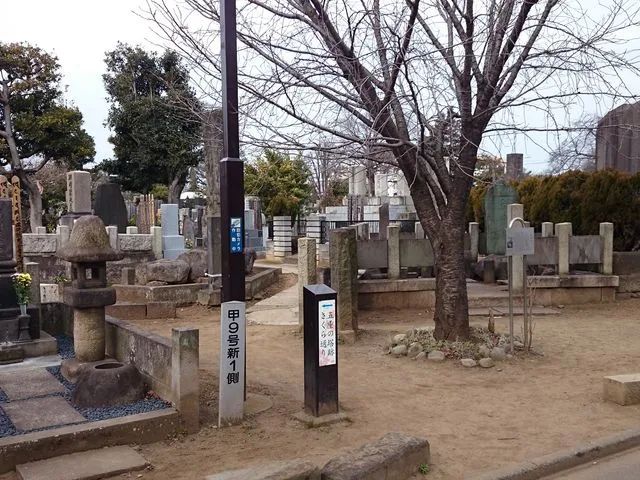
172, 241
515, 166
78, 196
498, 196
383, 220
109, 206
189, 232
8, 300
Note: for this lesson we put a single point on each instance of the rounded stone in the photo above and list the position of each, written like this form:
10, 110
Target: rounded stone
436, 356
399, 338
414, 349
107, 384
486, 362
484, 351
399, 350
170, 271
420, 356
498, 354
468, 362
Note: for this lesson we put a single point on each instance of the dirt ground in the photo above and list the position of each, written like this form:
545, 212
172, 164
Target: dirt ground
475, 419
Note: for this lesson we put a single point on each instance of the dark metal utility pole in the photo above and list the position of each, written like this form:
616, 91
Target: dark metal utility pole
231, 167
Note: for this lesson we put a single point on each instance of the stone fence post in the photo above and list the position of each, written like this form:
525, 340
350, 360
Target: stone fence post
282, 236
516, 210
114, 242
185, 383
606, 234
64, 232
547, 229
156, 242
132, 230
563, 232
344, 280
306, 271
33, 269
393, 251
474, 236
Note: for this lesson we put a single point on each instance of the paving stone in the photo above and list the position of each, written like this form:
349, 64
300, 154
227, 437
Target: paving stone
291, 470
29, 383
43, 412
90, 465
622, 389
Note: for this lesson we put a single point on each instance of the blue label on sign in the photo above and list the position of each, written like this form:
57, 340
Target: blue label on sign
236, 235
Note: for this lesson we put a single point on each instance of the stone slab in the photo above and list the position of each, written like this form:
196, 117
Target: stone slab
161, 310
29, 383
36, 413
127, 311
139, 429
395, 456
289, 470
91, 465
622, 389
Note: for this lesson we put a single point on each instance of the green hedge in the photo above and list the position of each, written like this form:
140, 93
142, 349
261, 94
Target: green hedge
584, 199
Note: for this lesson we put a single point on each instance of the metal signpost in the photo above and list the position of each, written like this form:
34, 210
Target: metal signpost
520, 240
232, 228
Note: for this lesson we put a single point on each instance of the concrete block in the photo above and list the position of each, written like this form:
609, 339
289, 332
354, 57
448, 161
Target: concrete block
306, 271
127, 311
209, 298
289, 470
161, 310
606, 234
395, 456
185, 382
393, 251
105, 462
622, 389
547, 229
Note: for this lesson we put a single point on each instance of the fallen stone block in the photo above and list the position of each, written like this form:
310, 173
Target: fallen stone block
395, 456
289, 470
105, 462
622, 389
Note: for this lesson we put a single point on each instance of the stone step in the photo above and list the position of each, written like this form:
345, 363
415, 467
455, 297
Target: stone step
90, 465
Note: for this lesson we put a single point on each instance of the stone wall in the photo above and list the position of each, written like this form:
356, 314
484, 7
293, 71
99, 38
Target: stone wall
137, 248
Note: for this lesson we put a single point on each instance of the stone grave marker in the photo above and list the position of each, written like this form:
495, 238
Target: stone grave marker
498, 197
110, 207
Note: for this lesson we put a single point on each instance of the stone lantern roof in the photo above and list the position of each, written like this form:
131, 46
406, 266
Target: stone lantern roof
88, 243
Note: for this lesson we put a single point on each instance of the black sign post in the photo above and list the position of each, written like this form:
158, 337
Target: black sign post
320, 351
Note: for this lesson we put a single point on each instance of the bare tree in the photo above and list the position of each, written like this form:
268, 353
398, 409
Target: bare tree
577, 151
410, 74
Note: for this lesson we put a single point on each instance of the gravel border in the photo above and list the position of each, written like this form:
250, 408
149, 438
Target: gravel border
553, 463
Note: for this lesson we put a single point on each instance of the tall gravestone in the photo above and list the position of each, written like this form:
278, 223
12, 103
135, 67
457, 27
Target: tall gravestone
498, 196
110, 207
78, 197
8, 300
618, 139
172, 241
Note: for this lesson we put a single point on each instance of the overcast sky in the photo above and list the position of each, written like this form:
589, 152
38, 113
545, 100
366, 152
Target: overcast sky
79, 32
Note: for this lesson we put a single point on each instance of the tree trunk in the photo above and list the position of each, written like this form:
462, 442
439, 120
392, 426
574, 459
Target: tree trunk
176, 187
452, 306
35, 199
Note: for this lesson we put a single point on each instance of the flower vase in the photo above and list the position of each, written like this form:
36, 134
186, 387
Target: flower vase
23, 309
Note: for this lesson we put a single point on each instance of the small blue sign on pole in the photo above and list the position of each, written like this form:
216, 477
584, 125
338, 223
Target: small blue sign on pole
236, 235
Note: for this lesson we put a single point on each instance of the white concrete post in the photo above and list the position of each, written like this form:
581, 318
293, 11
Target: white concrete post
64, 232
419, 231
393, 251
306, 271
516, 210
185, 383
563, 232
41, 230
114, 241
132, 230
156, 242
547, 229
282, 236
606, 234
474, 236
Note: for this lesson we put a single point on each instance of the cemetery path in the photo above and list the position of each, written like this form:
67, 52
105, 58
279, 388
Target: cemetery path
279, 309
475, 419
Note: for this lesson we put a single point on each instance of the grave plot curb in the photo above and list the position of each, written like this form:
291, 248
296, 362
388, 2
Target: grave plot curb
557, 462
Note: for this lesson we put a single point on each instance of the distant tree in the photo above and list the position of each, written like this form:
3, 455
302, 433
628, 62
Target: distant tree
489, 168
154, 117
578, 150
282, 183
36, 126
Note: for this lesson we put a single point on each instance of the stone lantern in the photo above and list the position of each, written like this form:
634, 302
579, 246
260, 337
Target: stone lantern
88, 250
